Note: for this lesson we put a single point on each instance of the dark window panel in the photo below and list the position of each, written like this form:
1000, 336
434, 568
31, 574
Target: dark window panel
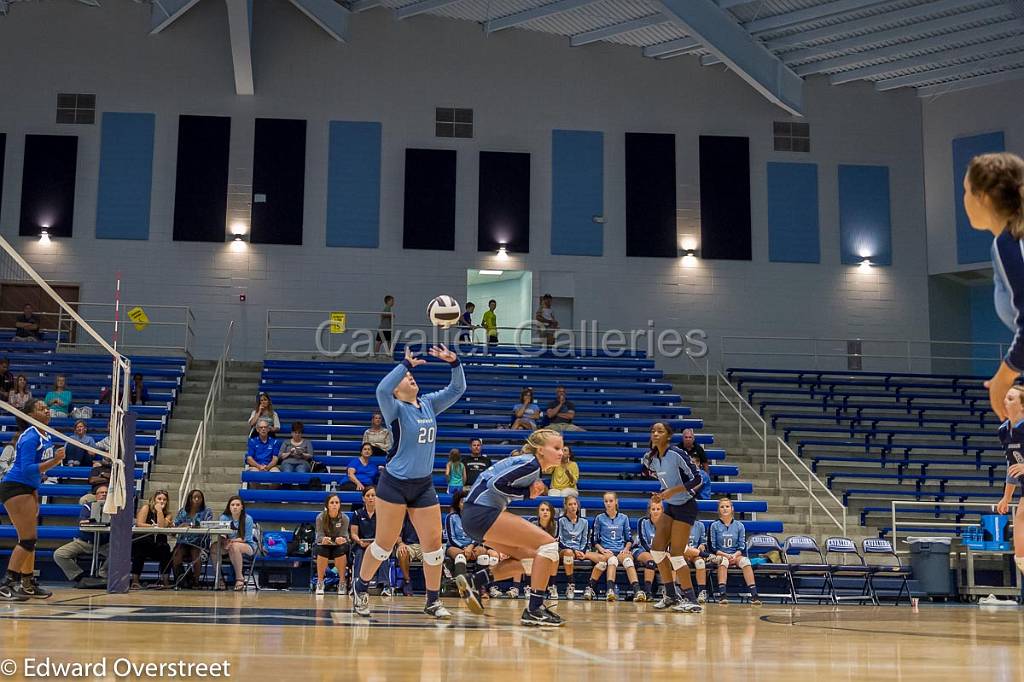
725, 198
651, 195
48, 185
201, 183
504, 202
279, 173
429, 220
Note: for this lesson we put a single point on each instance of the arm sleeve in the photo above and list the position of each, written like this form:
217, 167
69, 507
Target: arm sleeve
714, 537
558, 534
449, 527
385, 391
627, 533
448, 396
741, 538
1008, 251
516, 481
86, 512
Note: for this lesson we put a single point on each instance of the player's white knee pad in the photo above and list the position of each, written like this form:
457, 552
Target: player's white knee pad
677, 562
527, 566
483, 561
601, 565
699, 564
627, 562
460, 558
435, 558
568, 561
549, 551
1019, 560
378, 552
613, 562
743, 562
658, 556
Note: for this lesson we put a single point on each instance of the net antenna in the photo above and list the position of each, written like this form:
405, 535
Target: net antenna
17, 268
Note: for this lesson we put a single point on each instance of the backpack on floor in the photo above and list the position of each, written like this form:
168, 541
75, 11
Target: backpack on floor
275, 546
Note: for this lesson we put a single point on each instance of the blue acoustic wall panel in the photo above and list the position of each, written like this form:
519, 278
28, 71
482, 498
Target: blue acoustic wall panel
986, 327
353, 184
126, 176
972, 246
793, 213
577, 192
865, 226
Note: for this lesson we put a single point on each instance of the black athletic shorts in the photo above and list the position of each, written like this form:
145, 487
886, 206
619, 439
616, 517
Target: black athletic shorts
477, 519
12, 489
412, 492
684, 513
332, 551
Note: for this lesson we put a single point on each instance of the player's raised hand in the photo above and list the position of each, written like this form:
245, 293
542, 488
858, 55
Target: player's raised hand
442, 353
412, 359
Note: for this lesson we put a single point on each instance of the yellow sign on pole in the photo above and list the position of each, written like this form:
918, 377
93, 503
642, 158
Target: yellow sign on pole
138, 316
338, 322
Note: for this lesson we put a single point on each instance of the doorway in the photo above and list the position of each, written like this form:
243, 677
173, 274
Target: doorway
512, 291
15, 295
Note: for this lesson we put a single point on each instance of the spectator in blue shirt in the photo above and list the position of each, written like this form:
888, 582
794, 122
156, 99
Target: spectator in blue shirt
262, 452
729, 543
74, 455
612, 539
242, 544
139, 393
526, 412
466, 325
190, 547
361, 473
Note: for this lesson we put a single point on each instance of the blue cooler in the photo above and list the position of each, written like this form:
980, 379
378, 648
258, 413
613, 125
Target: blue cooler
994, 528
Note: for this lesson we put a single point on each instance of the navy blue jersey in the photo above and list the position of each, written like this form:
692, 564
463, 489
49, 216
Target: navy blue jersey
729, 539
415, 428
456, 535
32, 449
1008, 280
508, 480
674, 469
645, 533
612, 533
1012, 438
574, 536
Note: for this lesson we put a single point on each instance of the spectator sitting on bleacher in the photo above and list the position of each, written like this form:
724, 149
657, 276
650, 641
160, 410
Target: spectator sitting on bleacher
526, 413
27, 325
66, 556
455, 471
561, 411
99, 475
74, 455
363, 529
139, 393
262, 452
612, 539
264, 411
191, 547
378, 435
477, 462
6, 379
408, 551
332, 542
729, 542
20, 394
59, 399
362, 474
154, 513
240, 545
566, 476
691, 447
700, 460
296, 455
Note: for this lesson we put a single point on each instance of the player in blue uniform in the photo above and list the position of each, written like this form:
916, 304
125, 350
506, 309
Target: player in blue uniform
697, 555
461, 548
680, 483
1011, 435
642, 556
612, 539
729, 543
19, 493
406, 484
529, 548
573, 533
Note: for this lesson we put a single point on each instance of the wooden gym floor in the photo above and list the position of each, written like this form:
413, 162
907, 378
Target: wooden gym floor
295, 636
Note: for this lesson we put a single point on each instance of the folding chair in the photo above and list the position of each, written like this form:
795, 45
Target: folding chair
883, 548
249, 574
845, 552
758, 545
798, 545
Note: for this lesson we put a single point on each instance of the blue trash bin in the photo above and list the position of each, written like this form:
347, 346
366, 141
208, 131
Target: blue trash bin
994, 527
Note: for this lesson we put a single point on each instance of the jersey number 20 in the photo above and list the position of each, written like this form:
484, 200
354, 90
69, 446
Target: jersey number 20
426, 435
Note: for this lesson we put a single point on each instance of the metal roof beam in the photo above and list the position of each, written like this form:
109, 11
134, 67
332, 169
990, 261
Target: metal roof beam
3, 7
901, 32
422, 7
328, 15
363, 5
163, 13
809, 14
240, 32
597, 34
726, 4
541, 12
671, 47
977, 50
915, 79
871, 23
971, 83
723, 36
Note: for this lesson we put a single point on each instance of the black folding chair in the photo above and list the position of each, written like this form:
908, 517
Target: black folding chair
883, 548
761, 545
846, 561
798, 545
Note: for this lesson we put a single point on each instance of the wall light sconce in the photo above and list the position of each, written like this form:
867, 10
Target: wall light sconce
865, 264
503, 252
44, 237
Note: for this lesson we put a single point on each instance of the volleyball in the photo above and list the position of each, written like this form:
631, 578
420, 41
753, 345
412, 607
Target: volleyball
444, 311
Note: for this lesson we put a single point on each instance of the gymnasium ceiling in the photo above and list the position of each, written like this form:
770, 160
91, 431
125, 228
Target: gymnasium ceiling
934, 46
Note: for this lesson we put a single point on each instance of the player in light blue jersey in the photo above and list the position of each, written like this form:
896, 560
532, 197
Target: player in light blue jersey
573, 533
406, 484
530, 548
642, 556
462, 549
1011, 435
680, 483
729, 542
612, 539
697, 555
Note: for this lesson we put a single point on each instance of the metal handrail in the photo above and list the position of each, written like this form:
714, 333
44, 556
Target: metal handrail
197, 453
737, 403
65, 326
939, 524
808, 487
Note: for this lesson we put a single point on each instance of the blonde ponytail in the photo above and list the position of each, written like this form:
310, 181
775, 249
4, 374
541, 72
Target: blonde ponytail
537, 440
